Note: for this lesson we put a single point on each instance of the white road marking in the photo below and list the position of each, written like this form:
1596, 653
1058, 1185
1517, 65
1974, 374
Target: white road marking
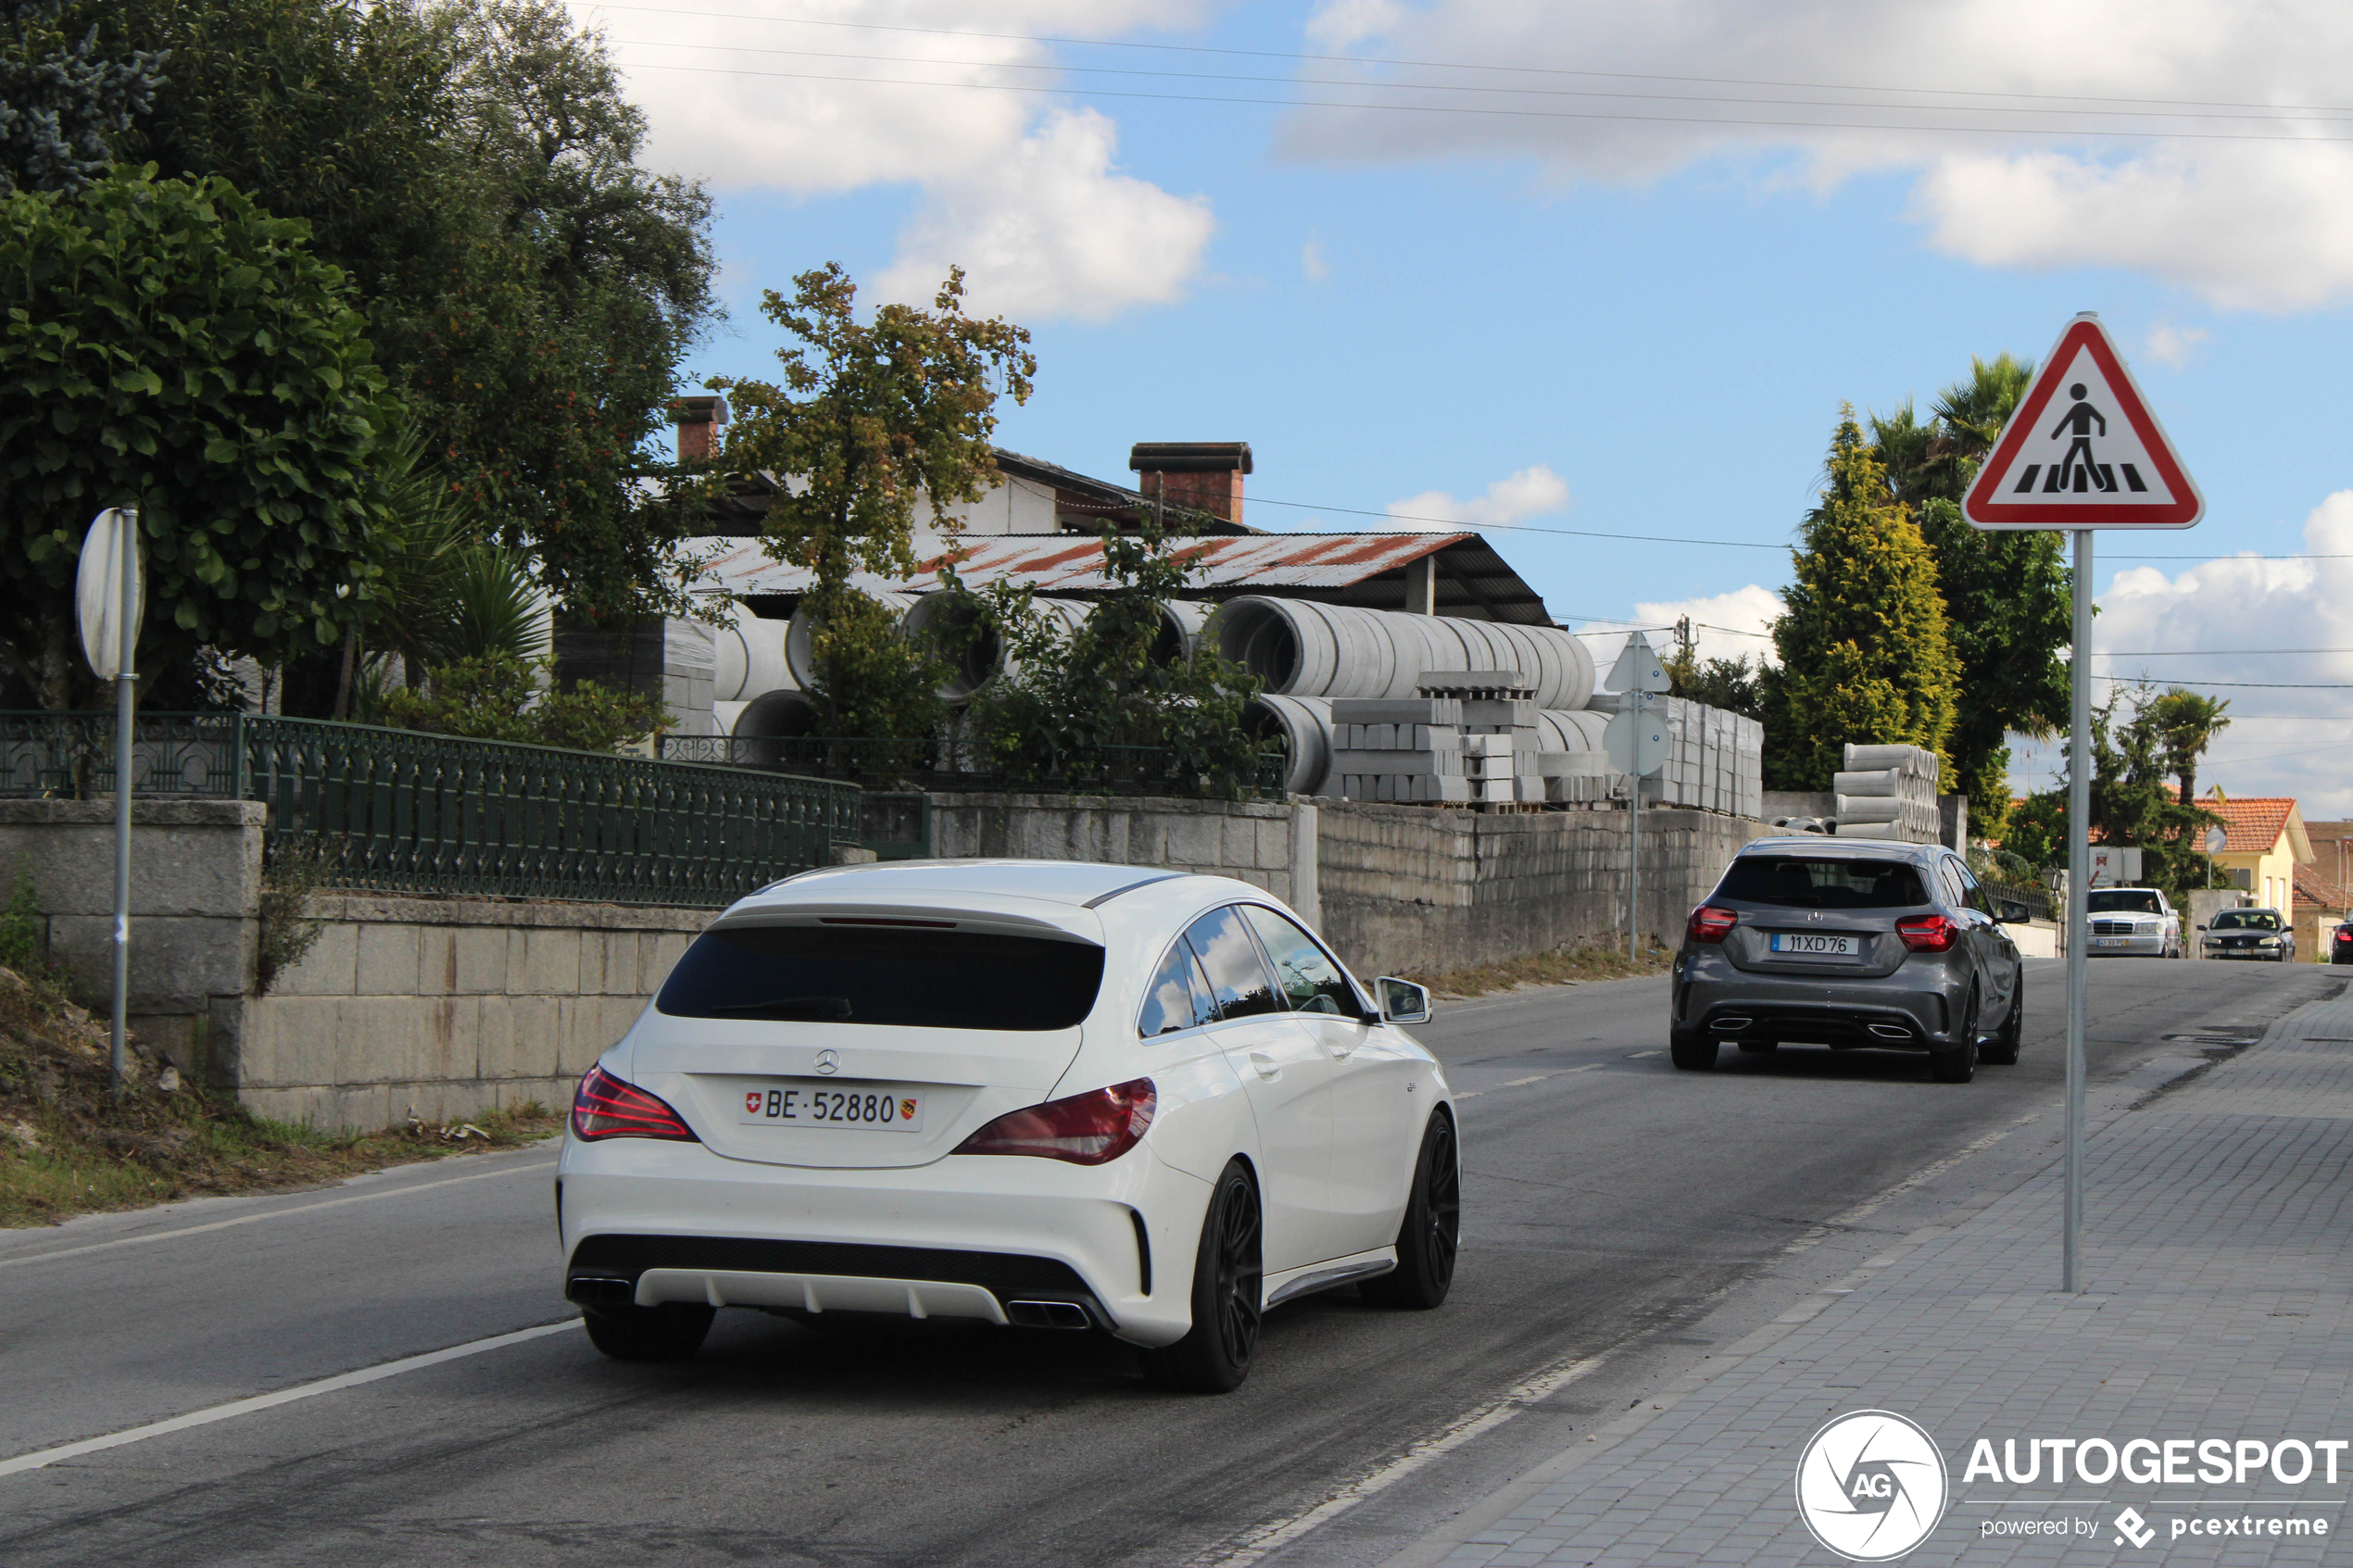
1484, 1418
1535, 1078
144, 1238
41, 1458
1639, 1054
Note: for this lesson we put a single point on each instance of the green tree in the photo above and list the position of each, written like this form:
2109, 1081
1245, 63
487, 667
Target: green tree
1734, 684
530, 290
1862, 644
1091, 703
873, 421
170, 347
2185, 723
62, 104
2133, 797
2006, 596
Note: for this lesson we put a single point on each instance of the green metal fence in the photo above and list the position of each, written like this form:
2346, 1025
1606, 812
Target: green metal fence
934, 765
398, 812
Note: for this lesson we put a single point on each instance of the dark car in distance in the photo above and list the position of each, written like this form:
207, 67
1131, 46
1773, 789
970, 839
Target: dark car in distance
2341, 943
1846, 944
2251, 936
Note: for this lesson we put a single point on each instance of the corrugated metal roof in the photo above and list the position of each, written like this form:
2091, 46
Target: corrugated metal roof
1068, 564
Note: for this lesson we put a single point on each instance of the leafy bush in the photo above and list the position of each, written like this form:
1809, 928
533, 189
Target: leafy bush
1079, 698
500, 698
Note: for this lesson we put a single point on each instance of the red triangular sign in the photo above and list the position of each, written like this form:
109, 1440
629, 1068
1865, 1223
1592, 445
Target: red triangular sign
2082, 450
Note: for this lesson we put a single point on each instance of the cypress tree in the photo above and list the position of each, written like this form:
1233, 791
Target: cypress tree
1864, 654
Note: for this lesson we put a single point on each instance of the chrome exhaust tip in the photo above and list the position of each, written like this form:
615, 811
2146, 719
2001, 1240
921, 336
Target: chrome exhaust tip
1730, 1025
1891, 1031
1047, 1314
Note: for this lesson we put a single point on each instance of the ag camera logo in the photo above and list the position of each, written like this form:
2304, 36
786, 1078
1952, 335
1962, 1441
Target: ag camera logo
1871, 1486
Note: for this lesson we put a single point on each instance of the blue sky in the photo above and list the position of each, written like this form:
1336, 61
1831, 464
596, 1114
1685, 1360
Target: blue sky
1409, 308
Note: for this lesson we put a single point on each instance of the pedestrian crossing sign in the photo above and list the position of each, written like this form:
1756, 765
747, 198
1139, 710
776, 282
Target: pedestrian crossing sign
2083, 449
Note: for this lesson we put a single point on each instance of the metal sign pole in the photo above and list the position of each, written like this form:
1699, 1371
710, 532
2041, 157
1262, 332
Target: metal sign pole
2078, 925
125, 701
1635, 836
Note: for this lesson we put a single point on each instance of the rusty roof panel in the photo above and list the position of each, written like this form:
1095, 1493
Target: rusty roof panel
1061, 564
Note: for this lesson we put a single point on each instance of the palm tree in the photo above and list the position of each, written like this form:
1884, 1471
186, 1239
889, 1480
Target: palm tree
2186, 722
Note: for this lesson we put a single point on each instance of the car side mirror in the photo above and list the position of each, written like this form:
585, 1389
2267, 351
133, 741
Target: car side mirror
2201, 928
1402, 1002
2013, 913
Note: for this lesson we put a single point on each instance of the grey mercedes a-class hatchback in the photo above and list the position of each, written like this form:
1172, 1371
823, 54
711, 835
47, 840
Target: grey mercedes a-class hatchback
1856, 943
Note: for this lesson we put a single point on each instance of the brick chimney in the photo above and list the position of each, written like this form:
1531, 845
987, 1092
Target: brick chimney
1204, 475
699, 420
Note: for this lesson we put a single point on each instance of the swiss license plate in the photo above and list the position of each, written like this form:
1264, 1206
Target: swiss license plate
2109, 941
806, 1102
1811, 945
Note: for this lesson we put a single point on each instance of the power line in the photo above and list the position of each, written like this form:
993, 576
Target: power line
2195, 653
2248, 686
1516, 527
1461, 65
1483, 111
1359, 82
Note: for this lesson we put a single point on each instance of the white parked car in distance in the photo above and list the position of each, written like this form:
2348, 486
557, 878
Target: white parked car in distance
1033, 1093
2132, 922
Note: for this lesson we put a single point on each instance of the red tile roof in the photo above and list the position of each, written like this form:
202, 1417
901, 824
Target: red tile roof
2254, 821
2312, 887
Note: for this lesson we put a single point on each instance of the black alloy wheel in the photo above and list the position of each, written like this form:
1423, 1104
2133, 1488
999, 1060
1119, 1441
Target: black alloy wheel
2002, 1049
1691, 1050
1230, 1285
1433, 1232
671, 1332
1959, 1064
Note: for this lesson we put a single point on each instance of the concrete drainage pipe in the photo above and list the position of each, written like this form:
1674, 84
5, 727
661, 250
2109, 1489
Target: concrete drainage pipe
1304, 725
800, 656
982, 658
1301, 648
748, 656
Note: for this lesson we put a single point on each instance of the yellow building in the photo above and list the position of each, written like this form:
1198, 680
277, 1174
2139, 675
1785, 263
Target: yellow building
2267, 843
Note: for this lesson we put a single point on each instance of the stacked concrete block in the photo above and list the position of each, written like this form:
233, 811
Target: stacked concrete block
1888, 792
1469, 738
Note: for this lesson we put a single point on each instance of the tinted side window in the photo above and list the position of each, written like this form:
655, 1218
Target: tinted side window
1305, 976
1973, 893
1809, 883
1949, 877
1179, 998
1236, 975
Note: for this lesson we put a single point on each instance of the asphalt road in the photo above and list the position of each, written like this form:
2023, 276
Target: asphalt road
1620, 1218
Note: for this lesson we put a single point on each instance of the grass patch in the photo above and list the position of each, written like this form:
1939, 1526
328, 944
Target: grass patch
68, 1147
1568, 966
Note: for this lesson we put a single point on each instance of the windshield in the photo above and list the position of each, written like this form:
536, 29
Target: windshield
1803, 881
2124, 900
2246, 920
891, 975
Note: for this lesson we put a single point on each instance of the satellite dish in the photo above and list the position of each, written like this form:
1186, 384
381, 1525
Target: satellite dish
2215, 839
99, 589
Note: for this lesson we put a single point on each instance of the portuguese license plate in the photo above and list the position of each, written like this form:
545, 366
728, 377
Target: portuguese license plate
2110, 941
810, 1102
1812, 944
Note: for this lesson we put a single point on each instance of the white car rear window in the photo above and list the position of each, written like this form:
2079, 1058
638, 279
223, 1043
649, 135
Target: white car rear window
894, 976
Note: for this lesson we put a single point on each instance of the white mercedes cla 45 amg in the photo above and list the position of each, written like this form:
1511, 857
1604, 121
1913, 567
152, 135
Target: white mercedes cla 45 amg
1033, 1093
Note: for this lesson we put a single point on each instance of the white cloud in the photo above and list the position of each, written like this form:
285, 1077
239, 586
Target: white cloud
1532, 491
1723, 625
1050, 230
1629, 92
1020, 192
2174, 346
1312, 264
2283, 742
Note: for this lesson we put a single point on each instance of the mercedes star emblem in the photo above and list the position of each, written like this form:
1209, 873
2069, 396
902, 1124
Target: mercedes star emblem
829, 1063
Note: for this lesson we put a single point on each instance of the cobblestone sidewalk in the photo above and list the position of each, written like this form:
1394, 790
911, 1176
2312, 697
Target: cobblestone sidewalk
2218, 1222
